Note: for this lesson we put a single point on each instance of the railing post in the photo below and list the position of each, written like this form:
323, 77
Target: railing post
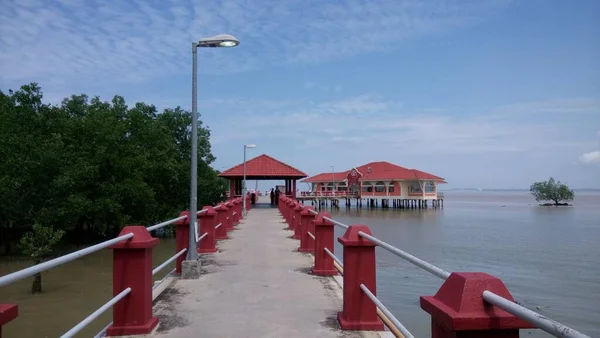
132, 267
297, 209
458, 310
306, 224
324, 231
359, 312
229, 214
286, 210
182, 238
221, 232
8, 312
240, 212
207, 226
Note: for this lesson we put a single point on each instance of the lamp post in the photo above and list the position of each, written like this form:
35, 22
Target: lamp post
246, 146
332, 180
221, 40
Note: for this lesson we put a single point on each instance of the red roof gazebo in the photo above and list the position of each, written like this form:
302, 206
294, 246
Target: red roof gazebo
263, 167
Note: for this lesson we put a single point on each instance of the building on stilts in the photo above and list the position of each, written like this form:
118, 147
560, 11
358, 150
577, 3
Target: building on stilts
376, 184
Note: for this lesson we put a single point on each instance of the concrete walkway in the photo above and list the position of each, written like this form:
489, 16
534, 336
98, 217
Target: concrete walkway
256, 286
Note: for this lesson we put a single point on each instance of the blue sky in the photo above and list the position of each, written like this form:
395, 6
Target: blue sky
491, 94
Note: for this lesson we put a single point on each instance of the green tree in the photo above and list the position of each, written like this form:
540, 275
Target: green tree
38, 245
90, 167
551, 190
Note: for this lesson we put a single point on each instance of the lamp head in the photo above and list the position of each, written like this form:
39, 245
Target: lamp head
220, 40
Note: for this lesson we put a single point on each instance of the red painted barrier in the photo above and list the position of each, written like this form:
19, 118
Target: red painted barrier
221, 232
207, 226
324, 233
296, 210
229, 218
307, 244
458, 310
182, 238
8, 312
237, 211
132, 267
359, 312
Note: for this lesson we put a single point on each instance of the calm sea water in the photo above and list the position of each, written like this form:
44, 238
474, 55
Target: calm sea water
549, 257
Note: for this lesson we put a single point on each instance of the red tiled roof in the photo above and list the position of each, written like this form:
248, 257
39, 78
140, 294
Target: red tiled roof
264, 166
327, 177
379, 171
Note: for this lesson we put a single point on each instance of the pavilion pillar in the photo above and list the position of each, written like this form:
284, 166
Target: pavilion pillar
232, 188
294, 189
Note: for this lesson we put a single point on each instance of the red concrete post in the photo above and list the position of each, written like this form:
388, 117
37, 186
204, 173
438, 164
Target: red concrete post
297, 209
286, 211
221, 231
8, 312
240, 210
324, 233
229, 219
307, 244
290, 213
132, 267
459, 311
359, 312
182, 238
208, 220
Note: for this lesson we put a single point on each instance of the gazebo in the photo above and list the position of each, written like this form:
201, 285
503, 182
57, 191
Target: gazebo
263, 167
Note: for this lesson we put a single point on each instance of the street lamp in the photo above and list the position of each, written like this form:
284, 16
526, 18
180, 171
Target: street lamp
246, 146
221, 40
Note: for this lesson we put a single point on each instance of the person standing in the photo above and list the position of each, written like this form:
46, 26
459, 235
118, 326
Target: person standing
276, 196
272, 195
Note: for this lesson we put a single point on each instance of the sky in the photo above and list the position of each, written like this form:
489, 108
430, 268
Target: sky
489, 94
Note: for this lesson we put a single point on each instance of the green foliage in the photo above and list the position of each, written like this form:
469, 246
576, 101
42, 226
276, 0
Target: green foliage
90, 167
40, 241
38, 244
551, 190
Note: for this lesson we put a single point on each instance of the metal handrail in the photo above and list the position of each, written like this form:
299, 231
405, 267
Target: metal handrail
387, 312
218, 225
17, 275
334, 257
94, 315
311, 235
165, 223
203, 235
443, 274
340, 224
165, 263
551, 326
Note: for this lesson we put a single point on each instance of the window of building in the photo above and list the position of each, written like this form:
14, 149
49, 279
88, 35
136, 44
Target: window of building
391, 187
379, 187
429, 187
330, 187
367, 188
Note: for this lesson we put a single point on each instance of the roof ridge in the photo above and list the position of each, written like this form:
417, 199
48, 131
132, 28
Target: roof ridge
285, 164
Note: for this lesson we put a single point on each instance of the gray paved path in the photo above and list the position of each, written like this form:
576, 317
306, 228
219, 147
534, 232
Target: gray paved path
256, 286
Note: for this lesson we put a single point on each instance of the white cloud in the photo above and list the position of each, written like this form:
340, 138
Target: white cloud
593, 157
367, 123
79, 42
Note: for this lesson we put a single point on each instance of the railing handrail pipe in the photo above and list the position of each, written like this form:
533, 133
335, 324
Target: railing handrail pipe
387, 312
27, 272
441, 273
165, 223
551, 326
94, 315
165, 263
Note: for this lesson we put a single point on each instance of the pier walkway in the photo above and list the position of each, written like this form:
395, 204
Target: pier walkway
258, 285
